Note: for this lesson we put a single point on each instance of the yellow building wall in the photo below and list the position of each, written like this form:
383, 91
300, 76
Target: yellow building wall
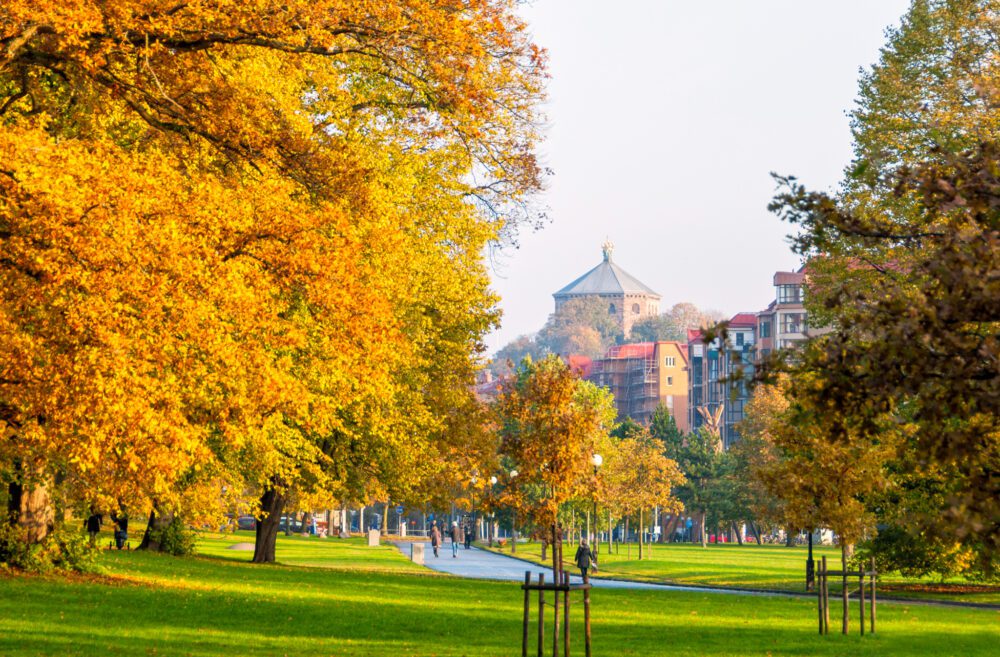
672, 368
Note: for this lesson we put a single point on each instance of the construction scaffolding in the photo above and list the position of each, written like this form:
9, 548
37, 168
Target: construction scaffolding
630, 372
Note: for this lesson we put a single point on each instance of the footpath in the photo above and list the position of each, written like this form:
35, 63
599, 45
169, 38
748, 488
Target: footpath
483, 564
475, 563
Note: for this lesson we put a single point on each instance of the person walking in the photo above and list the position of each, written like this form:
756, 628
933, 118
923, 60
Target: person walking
435, 537
121, 528
456, 538
585, 558
469, 535
93, 524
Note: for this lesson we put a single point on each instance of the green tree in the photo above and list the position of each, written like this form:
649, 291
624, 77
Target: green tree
663, 427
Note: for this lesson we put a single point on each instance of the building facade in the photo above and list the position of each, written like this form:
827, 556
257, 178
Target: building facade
628, 300
643, 376
719, 375
783, 323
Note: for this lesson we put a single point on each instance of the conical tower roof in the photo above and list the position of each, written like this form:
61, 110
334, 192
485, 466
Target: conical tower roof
606, 278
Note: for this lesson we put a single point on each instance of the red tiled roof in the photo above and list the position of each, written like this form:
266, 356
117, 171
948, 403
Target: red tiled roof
789, 278
635, 350
743, 319
694, 334
582, 365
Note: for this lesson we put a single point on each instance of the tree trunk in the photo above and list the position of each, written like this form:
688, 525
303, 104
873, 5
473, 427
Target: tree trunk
755, 529
556, 565
384, 529
702, 518
628, 543
545, 545
739, 535
272, 503
642, 531
29, 505
156, 524
307, 519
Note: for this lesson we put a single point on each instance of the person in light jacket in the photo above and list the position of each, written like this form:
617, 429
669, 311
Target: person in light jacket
585, 558
456, 537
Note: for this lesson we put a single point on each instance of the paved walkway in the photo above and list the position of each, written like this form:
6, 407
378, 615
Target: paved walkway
483, 564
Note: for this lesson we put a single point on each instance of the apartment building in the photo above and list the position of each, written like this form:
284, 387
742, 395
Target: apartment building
783, 323
719, 373
644, 375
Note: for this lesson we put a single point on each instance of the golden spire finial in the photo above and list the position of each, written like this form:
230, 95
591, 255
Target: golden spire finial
607, 248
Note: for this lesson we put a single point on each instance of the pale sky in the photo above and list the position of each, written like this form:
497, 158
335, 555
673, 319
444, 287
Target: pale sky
665, 119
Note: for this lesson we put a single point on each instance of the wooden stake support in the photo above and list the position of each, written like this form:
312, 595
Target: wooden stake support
869, 577
561, 586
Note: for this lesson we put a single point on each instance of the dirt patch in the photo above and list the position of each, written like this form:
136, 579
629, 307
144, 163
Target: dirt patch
948, 589
244, 547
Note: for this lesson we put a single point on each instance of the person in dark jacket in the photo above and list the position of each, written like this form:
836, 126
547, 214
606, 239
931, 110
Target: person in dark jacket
585, 558
456, 537
121, 528
435, 537
469, 536
93, 525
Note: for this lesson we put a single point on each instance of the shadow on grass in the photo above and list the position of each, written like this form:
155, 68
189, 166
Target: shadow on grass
203, 607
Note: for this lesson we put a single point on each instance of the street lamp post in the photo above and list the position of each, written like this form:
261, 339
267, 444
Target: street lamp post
473, 494
513, 524
810, 565
596, 460
493, 483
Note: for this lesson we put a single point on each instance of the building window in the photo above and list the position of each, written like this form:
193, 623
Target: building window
670, 380
612, 310
789, 294
765, 328
793, 323
635, 309
739, 339
669, 362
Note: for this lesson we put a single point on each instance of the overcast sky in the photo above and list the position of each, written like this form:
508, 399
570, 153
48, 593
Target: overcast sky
665, 119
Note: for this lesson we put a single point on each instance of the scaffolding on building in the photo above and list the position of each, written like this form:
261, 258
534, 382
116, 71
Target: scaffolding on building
630, 372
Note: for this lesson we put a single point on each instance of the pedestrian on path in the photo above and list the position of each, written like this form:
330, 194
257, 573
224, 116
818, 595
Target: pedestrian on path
585, 558
93, 525
435, 537
456, 538
121, 528
469, 536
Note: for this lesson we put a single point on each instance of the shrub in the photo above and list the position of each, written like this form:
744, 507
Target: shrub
174, 538
64, 549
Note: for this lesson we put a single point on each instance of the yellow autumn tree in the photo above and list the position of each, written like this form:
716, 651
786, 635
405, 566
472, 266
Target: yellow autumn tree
637, 476
550, 422
241, 243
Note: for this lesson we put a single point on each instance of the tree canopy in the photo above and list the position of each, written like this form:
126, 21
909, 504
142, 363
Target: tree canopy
241, 243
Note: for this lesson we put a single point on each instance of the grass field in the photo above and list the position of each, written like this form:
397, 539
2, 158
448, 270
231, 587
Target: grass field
353, 600
773, 567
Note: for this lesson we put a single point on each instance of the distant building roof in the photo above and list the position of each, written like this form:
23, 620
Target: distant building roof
741, 320
634, 350
789, 277
580, 364
606, 278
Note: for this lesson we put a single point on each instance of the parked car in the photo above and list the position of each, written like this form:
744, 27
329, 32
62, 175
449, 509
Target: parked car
246, 523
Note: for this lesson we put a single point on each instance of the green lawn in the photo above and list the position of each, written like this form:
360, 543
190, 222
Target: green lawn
773, 567
362, 601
